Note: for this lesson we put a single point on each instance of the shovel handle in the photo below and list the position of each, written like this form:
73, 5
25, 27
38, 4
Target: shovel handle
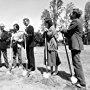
67, 55
26, 53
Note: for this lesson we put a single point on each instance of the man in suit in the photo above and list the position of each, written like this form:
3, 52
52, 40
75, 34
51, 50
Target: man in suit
74, 36
29, 33
4, 42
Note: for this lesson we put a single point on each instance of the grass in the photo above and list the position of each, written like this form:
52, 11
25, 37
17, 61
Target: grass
35, 81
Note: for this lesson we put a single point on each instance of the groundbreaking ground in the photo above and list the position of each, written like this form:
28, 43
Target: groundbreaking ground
16, 81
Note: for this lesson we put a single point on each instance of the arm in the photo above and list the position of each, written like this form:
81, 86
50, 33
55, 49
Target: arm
30, 31
6, 36
20, 36
72, 25
71, 29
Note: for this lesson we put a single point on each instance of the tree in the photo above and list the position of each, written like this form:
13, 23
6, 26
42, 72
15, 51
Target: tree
55, 5
45, 15
69, 8
87, 20
64, 20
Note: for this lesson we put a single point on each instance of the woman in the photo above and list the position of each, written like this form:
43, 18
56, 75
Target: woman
52, 55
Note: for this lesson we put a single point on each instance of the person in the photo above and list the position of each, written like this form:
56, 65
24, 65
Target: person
4, 42
17, 41
29, 35
52, 47
74, 36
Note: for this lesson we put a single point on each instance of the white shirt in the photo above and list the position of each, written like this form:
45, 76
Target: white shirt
18, 36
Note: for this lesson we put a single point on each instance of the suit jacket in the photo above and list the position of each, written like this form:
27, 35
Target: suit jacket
5, 40
74, 35
30, 37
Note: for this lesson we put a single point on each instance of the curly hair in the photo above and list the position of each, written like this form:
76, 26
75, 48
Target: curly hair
49, 22
17, 26
77, 12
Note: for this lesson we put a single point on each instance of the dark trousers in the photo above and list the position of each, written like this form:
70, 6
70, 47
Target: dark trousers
78, 66
17, 52
30, 57
4, 52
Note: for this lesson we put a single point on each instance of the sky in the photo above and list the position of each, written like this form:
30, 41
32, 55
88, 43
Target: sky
13, 11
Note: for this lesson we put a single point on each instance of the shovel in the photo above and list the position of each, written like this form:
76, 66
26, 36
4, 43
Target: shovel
72, 78
46, 74
26, 66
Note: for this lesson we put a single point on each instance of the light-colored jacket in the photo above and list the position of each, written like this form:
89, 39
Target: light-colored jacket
52, 44
18, 36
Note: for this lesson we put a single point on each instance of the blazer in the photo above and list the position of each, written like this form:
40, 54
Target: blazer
30, 37
5, 40
74, 35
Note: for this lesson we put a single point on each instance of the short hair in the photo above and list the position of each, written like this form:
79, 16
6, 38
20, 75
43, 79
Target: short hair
49, 22
17, 26
26, 19
77, 12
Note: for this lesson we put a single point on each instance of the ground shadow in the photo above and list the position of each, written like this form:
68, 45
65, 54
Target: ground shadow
64, 75
24, 65
42, 69
17, 64
2, 64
